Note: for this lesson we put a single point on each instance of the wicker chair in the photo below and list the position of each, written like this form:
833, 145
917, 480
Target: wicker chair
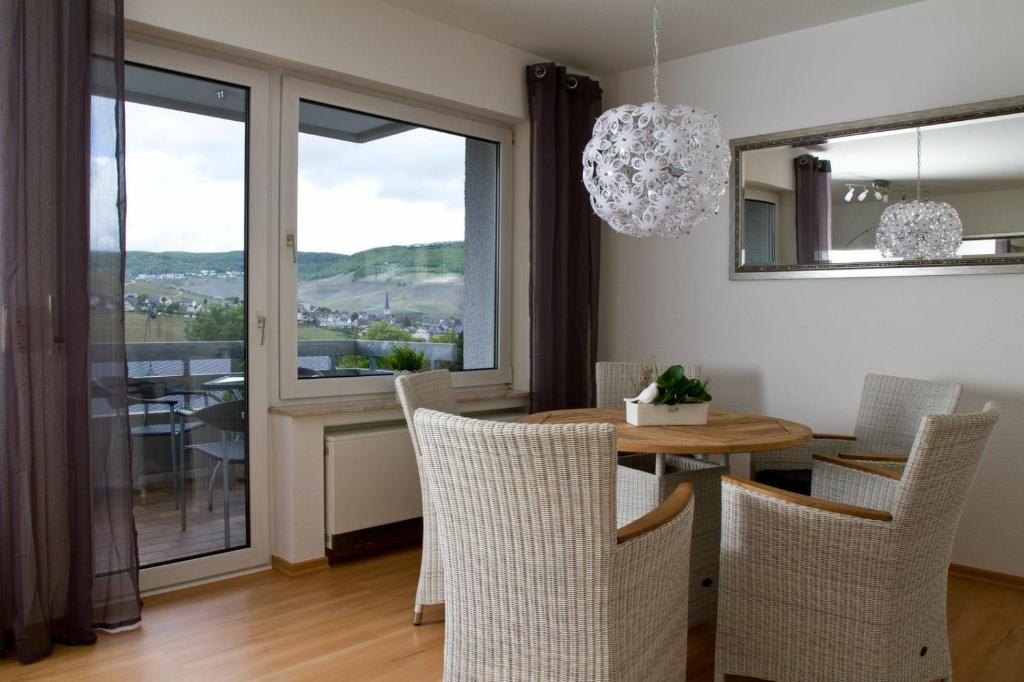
819, 590
640, 489
432, 390
538, 583
890, 412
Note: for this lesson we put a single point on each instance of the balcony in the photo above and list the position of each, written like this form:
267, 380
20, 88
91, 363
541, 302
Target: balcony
196, 375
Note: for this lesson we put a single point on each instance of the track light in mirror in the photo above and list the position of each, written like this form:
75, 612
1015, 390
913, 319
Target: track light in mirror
863, 195
849, 193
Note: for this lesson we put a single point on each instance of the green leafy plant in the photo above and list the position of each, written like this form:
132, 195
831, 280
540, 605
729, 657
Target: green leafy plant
404, 358
675, 388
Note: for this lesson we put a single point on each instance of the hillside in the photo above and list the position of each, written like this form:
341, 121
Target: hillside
445, 258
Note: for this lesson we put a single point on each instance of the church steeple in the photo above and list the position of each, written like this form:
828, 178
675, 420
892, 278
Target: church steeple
387, 303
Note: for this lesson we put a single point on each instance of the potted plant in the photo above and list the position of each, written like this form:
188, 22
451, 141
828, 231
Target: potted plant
672, 400
405, 359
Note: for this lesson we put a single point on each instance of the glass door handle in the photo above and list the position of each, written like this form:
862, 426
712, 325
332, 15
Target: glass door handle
291, 242
261, 324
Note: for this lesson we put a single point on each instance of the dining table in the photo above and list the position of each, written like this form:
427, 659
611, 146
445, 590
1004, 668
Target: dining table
724, 434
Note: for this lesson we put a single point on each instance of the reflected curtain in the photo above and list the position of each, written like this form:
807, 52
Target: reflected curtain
813, 209
68, 557
565, 239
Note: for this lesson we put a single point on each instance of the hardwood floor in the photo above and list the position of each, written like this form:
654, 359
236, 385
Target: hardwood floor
352, 622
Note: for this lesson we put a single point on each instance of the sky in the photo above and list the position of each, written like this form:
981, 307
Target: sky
185, 186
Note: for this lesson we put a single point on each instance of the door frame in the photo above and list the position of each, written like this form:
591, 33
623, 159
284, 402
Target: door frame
257, 555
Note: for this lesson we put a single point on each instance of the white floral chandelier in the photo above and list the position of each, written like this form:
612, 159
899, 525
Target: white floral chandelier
655, 169
919, 229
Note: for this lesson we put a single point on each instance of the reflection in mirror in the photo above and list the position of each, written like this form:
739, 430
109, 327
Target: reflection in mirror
816, 203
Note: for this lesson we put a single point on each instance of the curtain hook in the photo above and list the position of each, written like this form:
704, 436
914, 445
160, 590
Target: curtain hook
540, 71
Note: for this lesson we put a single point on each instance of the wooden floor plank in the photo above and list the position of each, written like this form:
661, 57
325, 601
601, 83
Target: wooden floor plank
352, 622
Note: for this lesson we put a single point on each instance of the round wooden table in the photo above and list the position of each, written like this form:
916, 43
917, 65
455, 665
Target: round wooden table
725, 433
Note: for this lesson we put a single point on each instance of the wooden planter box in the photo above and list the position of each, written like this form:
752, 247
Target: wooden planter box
689, 414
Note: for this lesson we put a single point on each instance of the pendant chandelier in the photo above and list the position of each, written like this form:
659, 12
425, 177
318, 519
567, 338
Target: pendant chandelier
919, 229
655, 169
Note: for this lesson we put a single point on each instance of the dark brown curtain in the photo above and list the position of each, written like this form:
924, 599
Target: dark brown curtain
565, 239
813, 209
67, 539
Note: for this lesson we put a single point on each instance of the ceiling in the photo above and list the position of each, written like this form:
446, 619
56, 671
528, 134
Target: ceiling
603, 36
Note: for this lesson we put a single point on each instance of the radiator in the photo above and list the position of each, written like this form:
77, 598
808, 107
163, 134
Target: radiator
371, 481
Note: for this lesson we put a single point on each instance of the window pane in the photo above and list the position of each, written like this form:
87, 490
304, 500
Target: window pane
185, 311
397, 229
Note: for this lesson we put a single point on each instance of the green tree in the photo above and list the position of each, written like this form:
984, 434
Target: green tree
382, 330
216, 323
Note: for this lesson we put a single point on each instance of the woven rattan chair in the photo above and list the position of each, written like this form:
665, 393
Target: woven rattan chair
819, 590
639, 489
890, 412
538, 583
432, 390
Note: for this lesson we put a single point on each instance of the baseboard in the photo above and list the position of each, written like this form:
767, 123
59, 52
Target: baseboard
980, 575
299, 568
378, 538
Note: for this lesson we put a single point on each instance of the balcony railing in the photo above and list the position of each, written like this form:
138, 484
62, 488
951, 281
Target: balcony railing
186, 360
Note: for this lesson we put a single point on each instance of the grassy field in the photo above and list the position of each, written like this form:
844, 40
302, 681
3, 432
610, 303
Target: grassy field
308, 332
163, 328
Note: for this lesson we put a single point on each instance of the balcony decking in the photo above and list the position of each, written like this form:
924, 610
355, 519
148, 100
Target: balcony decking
158, 523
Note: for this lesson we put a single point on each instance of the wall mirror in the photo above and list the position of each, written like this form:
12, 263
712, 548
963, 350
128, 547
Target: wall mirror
807, 203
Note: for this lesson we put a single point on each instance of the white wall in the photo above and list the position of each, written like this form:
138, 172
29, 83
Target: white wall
800, 348
375, 45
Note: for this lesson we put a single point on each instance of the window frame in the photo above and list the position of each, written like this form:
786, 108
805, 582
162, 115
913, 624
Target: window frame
294, 89
256, 555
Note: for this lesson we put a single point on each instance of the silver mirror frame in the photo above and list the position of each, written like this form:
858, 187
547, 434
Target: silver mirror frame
993, 265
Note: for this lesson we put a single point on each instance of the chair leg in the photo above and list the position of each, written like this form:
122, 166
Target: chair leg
417, 614
209, 494
226, 475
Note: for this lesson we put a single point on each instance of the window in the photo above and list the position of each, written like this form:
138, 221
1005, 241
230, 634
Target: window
759, 232
394, 261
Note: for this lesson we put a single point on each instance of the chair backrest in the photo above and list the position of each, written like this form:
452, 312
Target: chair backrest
942, 464
891, 409
526, 520
430, 390
228, 416
617, 381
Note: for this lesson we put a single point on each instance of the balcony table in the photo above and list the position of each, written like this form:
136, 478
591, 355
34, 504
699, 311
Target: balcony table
725, 433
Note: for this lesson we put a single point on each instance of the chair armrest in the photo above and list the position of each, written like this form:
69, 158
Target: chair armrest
799, 456
875, 486
807, 500
672, 507
871, 457
858, 466
833, 436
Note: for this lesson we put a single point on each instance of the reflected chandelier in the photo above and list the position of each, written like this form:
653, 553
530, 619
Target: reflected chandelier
919, 229
655, 169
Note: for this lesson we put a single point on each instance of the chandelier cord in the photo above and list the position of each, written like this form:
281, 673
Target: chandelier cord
654, 68
919, 164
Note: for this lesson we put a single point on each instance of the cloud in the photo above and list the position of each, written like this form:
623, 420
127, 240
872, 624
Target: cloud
185, 182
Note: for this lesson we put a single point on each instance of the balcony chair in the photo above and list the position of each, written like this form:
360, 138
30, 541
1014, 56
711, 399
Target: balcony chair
432, 390
890, 412
852, 591
538, 583
227, 418
169, 400
641, 487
